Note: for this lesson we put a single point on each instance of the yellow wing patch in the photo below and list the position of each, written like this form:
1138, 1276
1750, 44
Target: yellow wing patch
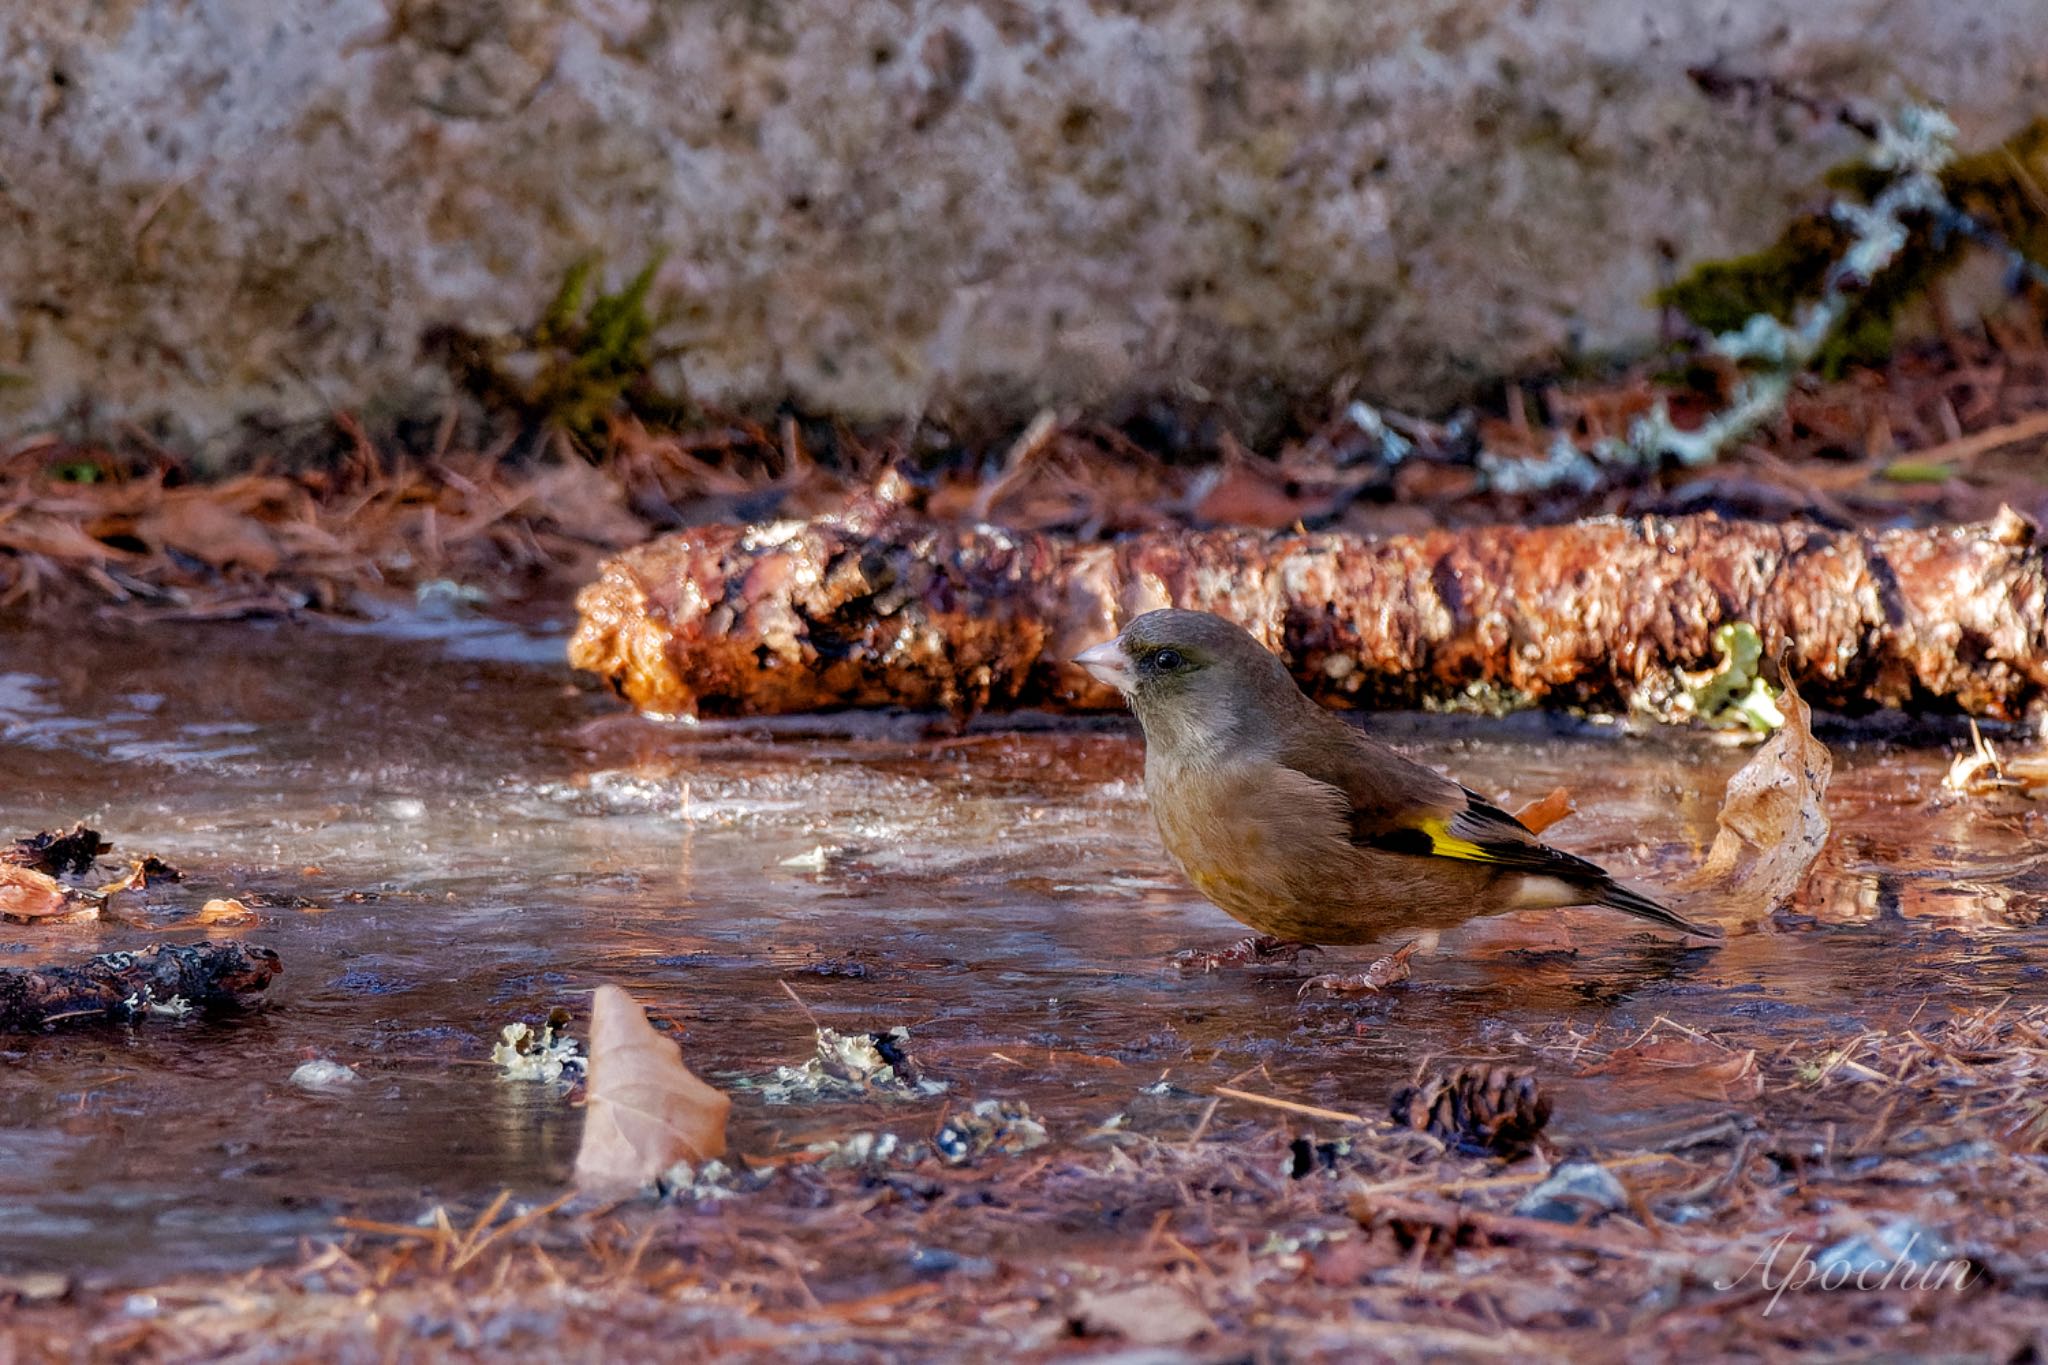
1444, 844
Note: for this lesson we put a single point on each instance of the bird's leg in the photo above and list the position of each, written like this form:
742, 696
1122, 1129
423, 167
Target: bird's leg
1246, 952
1383, 972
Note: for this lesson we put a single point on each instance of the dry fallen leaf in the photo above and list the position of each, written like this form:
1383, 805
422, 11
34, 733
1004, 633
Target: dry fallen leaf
646, 1111
1773, 823
1697, 1068
198, 523
26, 894
1146, 1314
224, 912
1541, 814
1981, 770
140, 874
57, 851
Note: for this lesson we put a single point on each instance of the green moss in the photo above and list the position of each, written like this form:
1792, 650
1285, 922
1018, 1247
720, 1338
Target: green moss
593, 356
1730, 695
1722, 295
588, 358
2006, 188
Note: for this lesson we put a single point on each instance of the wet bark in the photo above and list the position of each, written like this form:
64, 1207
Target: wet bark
210, 978
874, 609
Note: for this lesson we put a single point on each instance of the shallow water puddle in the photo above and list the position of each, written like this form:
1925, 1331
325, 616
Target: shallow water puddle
439, 839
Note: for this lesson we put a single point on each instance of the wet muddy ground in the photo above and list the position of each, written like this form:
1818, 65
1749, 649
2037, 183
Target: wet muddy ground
442, 831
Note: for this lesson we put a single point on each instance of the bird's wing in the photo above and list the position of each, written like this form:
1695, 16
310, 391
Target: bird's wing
1399, 806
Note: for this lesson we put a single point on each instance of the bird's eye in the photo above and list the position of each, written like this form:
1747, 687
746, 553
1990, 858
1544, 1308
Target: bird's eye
1166, 660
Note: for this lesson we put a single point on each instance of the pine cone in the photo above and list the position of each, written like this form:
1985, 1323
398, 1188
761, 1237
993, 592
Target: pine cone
1478, 1109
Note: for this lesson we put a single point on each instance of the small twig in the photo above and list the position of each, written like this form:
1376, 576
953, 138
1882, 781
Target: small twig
790, 991
1291, 1106
508, 1228
1202, 1124
476, 1229
1502, 1182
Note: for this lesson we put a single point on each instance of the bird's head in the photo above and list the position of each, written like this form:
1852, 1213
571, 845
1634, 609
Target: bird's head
1195, 680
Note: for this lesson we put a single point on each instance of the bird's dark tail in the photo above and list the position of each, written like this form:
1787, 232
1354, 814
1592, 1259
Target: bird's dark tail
1618, 897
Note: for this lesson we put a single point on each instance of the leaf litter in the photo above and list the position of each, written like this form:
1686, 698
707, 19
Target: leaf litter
1152, 1236
147, 531
30, 889
57, 852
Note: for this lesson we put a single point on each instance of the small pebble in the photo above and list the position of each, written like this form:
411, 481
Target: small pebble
1576, 1192
322, 1074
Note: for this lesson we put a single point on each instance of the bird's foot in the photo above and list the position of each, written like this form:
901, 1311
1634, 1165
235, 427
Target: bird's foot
1248, 952
1382, 973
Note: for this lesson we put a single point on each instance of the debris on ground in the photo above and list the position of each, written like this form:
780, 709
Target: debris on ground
30, 868
1144, 1315
693, 1182
645, 1111
34, 1287
1217, 1239
815, 859
851, 1065
58, 852
1992, 1061
547, 1054
1547, 810
865, 1150
1670, 1061
1981, 770
1946, 431
1493, 1110
170, 979
1896, 1245
1007, 1127
1253, 950
224, 912
141, 873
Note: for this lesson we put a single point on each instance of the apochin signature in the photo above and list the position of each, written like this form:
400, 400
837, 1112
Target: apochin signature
1895, 1268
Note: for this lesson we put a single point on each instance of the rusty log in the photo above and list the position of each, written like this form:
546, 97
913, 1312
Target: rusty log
871, 608
209, 978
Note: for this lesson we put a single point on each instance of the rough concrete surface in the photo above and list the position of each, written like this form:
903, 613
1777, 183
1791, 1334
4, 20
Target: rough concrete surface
219, 209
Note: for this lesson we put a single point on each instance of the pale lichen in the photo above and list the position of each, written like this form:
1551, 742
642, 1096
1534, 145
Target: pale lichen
848, 1065
546, 1055
1769, 352
1731, 695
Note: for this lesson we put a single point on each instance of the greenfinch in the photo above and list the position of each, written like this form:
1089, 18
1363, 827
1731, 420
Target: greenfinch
1305, 828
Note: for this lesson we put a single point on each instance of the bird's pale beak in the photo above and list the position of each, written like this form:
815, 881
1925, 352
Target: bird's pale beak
1108, 663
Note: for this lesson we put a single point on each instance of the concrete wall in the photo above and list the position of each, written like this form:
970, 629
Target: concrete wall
212, 209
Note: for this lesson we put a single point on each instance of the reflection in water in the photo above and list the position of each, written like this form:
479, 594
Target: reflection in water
444, 841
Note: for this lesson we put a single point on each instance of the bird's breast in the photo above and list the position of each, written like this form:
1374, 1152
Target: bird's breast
1241, 836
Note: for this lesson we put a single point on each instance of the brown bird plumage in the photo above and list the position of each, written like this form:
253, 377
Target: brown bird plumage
1303, 827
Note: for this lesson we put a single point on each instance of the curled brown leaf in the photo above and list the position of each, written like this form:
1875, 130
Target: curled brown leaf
1773, 822
1696, 1067
1546, 811
26, 894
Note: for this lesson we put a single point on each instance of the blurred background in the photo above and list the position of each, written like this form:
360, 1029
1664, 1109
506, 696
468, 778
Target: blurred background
228, 219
